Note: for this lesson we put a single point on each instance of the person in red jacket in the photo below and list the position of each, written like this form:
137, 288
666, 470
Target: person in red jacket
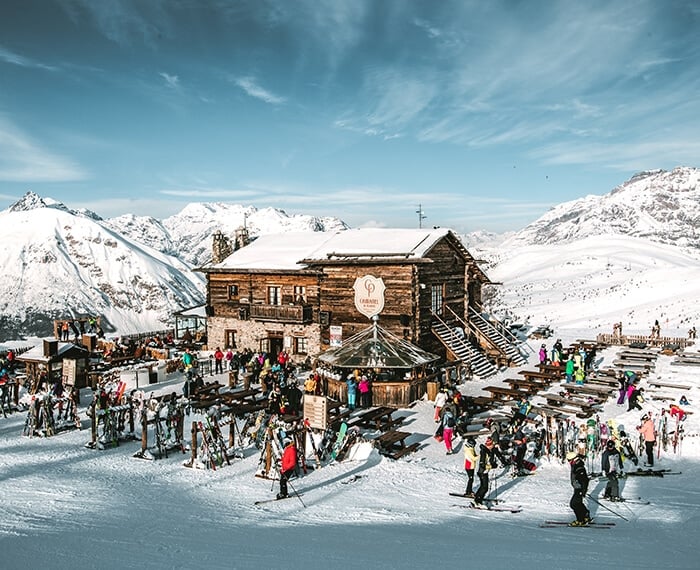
289, 465
218, 361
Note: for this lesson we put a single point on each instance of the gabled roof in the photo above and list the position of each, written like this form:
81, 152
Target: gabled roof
377, 348
296, 250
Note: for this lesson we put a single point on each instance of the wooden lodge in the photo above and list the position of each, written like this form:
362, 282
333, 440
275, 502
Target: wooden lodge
295, 291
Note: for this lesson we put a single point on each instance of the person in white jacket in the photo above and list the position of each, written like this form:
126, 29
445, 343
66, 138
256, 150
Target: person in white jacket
440, 401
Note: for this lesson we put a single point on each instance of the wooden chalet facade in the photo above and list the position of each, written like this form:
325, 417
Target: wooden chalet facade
286, 291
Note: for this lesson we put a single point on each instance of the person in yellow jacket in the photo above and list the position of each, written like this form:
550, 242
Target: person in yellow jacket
470, 461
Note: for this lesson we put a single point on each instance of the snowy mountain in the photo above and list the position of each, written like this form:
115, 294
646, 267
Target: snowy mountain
188, 233
660, 205
59, 262
631, 255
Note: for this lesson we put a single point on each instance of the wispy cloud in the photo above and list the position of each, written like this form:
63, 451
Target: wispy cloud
13, 58
125, 23
250, 86
23, 160
172, 81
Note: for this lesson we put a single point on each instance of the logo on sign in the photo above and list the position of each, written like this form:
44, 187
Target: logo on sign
369, 295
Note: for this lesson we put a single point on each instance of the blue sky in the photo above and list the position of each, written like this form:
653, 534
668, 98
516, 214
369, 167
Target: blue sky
485, 112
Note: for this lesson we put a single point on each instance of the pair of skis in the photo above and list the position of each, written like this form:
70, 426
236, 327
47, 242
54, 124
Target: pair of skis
568, 524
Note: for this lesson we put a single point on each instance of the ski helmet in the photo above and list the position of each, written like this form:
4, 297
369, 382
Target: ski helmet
610, 444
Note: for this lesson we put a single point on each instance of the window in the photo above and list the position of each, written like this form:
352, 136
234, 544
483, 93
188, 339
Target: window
233, 291
436, 298
301, 345
299, 294
230, 338
274, 295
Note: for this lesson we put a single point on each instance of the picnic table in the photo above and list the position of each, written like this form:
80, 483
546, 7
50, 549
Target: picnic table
592, 390
378, 418
660, 384
503, 393
392, 443
529, 386
547, 377
241, 396
552, 369
641, 356
557, 402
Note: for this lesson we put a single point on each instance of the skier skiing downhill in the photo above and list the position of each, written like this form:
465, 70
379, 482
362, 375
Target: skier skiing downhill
611, 465
289, 464
579, 481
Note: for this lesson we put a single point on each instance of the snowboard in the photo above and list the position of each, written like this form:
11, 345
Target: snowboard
337, 446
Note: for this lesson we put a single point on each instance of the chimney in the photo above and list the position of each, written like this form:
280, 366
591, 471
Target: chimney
242, 238
221, 247
50, 347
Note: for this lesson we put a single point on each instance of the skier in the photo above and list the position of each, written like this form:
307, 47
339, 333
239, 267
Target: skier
470, 461
579, 481
611, 465
487, 461
649, 434
289, 465
543, 354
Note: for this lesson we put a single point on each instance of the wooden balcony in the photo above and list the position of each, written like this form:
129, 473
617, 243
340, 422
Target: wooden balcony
301, 314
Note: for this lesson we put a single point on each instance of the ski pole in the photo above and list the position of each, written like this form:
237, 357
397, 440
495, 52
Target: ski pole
295, 492
606, 508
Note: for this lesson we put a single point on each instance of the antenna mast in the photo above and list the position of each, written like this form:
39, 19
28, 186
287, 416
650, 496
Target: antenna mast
421, 215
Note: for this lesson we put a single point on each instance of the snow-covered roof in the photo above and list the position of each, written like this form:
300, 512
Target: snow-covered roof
293, 250
36, 354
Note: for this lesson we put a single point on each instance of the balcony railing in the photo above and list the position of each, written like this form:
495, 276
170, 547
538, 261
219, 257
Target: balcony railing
282, 313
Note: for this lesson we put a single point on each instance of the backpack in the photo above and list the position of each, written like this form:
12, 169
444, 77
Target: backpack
449, 420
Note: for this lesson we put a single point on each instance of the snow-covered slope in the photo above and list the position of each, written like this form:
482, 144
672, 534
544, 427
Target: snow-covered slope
663, 206
596, 281
58, 262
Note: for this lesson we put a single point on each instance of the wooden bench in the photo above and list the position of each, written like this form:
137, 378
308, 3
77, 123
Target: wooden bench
636, 367
593, 390
557, 401
529, 386
542, 376
552, 369
624, 355
502, 393
392, 444
659, 384
379, 418
241, 396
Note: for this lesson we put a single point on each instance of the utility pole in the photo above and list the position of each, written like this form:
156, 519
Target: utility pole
421, 215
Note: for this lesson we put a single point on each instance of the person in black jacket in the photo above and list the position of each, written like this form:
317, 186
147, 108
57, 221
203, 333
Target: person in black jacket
488, 452
579, 481
611, 465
